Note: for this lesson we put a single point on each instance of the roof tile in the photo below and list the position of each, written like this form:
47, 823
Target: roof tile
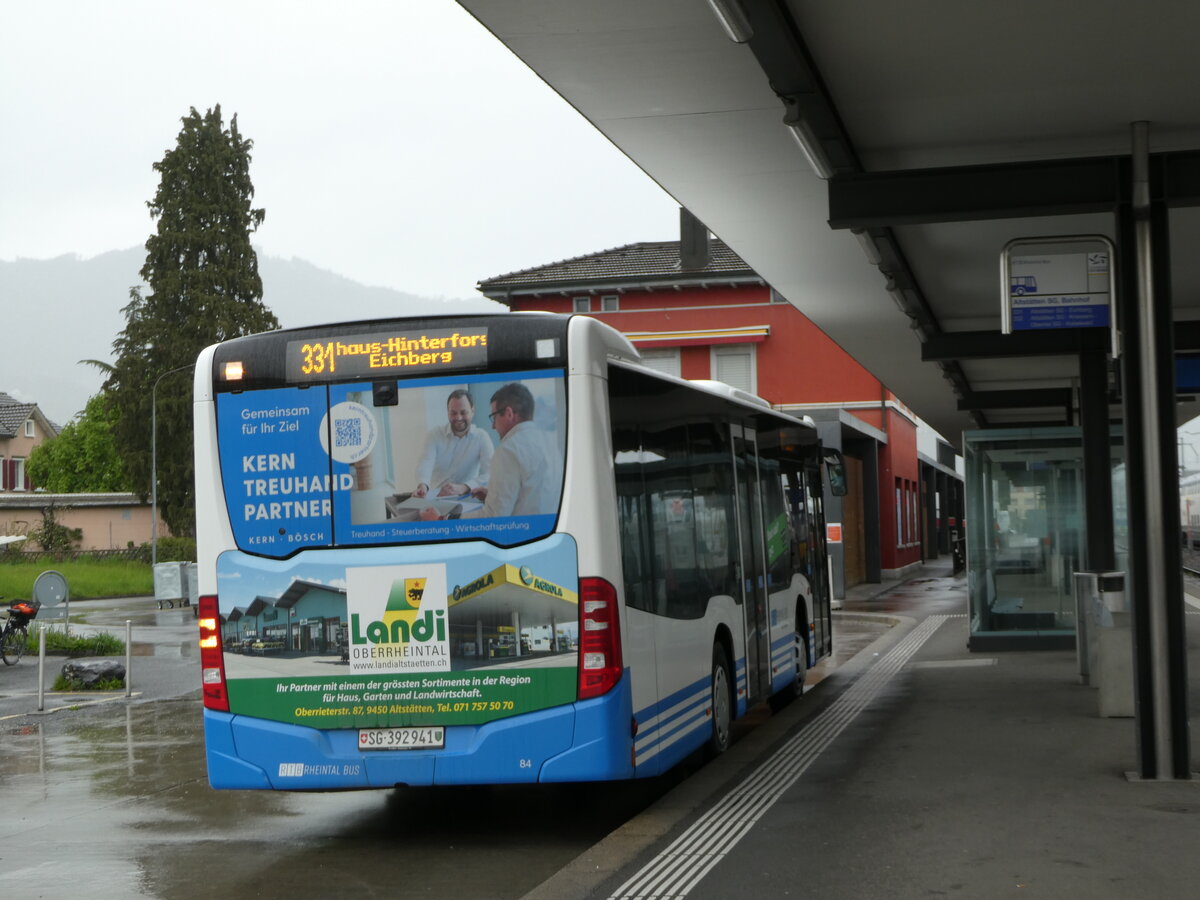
654, 260
13, 414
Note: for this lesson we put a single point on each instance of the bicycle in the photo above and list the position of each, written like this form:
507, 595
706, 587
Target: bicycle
14, 635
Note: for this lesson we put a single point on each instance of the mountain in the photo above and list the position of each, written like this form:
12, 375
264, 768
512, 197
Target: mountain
59, 311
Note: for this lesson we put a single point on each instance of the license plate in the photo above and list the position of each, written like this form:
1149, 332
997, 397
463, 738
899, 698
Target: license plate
427, 738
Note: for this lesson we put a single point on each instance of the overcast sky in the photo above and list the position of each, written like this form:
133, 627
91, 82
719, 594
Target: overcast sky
395, 142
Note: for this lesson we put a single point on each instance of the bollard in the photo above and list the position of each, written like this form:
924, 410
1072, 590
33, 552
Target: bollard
128, 657
41, 668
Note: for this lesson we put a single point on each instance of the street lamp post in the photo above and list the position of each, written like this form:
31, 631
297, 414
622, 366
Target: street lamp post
154, 462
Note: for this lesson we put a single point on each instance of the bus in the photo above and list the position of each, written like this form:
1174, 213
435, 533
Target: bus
640, 561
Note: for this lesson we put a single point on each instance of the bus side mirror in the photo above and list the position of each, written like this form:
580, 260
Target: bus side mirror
835, 471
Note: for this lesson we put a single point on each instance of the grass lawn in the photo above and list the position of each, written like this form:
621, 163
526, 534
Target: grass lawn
86, 578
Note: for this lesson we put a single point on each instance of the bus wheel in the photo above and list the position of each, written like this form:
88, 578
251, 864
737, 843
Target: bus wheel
721, 699
796, 688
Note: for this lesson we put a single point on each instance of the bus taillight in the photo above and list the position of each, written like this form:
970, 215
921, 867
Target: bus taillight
599, 638
212, 662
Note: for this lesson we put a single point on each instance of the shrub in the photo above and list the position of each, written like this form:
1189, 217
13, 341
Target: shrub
62, 683
58, 641
52, 535
176, 549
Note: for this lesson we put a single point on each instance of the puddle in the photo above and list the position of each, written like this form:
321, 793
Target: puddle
181, 650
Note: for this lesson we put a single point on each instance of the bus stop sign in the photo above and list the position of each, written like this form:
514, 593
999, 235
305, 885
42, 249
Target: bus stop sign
1056, 282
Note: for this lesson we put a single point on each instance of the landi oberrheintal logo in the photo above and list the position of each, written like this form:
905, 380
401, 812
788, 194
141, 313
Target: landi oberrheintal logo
398, 620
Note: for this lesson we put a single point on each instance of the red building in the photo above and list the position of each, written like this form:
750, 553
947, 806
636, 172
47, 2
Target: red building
708, 315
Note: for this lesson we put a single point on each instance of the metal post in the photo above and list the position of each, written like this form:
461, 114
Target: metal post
154, 474
1159, 644
41, 668
154, 461
128, 658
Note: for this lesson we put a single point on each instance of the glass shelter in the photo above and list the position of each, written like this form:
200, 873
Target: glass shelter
1025, 536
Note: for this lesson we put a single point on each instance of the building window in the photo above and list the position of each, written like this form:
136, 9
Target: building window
663, 360
899, 513
735, 365
908, 523
610, 303
582, 304
17, 482
29, 428
912, 505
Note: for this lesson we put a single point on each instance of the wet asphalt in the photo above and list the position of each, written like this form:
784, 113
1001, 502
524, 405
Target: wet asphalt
106, 795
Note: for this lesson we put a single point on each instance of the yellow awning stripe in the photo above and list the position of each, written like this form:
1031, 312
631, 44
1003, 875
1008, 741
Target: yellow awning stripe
750, 331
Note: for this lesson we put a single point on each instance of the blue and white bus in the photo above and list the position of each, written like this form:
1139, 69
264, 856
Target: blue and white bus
490, 549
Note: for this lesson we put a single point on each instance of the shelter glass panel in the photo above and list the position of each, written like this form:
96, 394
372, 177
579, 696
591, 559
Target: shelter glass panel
1025, 532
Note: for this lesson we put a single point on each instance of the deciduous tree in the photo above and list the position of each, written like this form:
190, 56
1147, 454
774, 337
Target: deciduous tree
83, 458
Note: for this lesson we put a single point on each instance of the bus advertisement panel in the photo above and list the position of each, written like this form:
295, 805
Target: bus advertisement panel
395, 636
471, 637
320, 466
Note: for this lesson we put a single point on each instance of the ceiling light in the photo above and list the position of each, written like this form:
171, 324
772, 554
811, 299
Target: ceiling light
809, 145
898, 296
869, 247
733, 19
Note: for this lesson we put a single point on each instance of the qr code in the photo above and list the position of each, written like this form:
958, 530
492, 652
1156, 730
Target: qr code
347, 432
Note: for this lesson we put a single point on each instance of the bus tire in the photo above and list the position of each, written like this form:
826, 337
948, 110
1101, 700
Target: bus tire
796, 689
721, 698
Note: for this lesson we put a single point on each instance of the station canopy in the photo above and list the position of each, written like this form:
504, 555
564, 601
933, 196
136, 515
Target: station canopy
940, 130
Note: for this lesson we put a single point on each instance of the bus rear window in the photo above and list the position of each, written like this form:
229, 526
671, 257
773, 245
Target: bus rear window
389, 462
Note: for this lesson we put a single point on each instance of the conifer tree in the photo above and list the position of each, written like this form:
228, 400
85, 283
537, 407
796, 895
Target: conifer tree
203, 286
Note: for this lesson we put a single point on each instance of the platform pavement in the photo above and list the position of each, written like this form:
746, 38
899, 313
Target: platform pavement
864, 592
967, 775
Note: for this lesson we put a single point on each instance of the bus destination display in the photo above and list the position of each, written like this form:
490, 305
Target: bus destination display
383, 354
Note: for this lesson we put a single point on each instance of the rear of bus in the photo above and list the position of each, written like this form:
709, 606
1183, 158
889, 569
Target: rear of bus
355, 634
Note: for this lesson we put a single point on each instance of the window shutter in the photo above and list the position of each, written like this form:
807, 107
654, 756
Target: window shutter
662, 361
734, 369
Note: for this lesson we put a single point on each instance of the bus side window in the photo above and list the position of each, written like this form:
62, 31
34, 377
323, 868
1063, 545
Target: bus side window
798, 508
632, 512
778, 524
712, 492
816, 513
678, 538
672, 530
